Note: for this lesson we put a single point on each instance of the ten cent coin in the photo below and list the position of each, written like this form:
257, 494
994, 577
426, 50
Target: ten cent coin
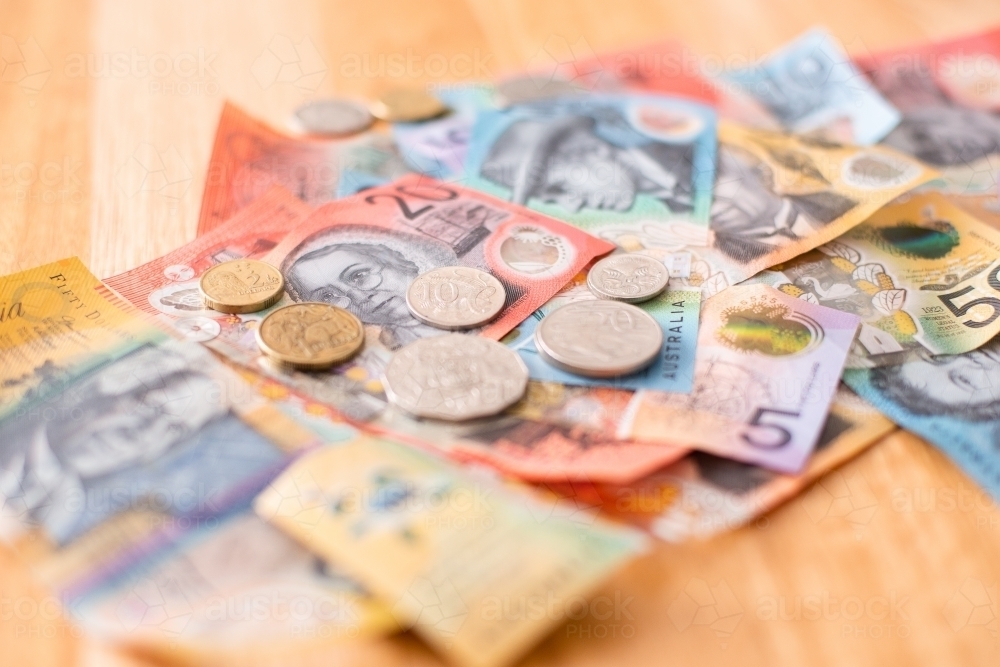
628, 277
455, 297
599, 338
455, 377
310, 336
406, 105
333, 117
241, 286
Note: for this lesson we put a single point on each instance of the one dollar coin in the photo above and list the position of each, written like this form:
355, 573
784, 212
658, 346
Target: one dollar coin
310, 336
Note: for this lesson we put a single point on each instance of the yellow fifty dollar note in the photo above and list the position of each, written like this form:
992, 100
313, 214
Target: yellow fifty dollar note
922, 274
56, 320
481, 572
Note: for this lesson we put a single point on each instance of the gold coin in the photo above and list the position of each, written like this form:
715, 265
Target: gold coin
406, 105
310, 336
241, 286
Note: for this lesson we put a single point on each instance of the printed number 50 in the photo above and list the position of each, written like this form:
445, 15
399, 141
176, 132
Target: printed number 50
781, 435
960, 311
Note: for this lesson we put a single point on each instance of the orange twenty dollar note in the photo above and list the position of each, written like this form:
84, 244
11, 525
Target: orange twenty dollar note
249, 157
167, 287
362, 253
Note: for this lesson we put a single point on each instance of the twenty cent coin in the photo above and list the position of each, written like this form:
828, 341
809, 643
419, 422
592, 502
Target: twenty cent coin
455, 377
455, 297
310, 336
531, 89
599, 338
407, 105
241, 286
333, 117
628, 277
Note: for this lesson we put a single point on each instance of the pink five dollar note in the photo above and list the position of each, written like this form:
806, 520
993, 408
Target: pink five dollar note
766, 371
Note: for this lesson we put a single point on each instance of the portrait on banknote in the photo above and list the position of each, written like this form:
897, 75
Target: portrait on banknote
935, 128
366, 270
625, 156
566, 160
149, 423
962, 386
751, 216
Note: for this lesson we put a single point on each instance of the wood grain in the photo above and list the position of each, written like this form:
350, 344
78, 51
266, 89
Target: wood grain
871, 566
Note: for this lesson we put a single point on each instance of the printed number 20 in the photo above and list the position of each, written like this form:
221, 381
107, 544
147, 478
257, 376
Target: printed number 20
960, 311
782, 436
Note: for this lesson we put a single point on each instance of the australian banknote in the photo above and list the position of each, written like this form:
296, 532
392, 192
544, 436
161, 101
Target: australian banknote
675, 311
811, 85
636, 158
437, 147
666, 67
361, 253
442, 548
949, 96
233, 589
167, 287
153, 431
551, 435
951, 400
776, 196
249, 157
57, 320
703, 494
766, 371
921, 274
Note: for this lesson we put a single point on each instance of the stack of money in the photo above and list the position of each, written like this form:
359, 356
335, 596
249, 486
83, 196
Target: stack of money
372, 396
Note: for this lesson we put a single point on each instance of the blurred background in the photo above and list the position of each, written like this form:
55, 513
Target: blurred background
108, 113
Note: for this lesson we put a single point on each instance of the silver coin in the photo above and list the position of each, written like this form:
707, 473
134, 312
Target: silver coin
455, 377
333, 117
531, 89
628, 277
599, 338
455, 297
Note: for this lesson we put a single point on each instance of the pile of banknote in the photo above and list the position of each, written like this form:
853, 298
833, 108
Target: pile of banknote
444, 360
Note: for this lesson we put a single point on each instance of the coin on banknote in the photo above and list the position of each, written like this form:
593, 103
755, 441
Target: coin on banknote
333, 117
599, 338
310, 336
628, 277
407, 105
530, 88
455, 297
455, 377
241, 286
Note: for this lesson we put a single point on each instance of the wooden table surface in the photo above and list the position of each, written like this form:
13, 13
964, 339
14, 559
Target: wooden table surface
893, 559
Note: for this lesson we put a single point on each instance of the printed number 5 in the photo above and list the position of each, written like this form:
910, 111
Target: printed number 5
782, 435
960, 311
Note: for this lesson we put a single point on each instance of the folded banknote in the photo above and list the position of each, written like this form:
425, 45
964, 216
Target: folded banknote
447, 552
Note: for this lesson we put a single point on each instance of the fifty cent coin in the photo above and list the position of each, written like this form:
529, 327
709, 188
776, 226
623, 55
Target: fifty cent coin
333, 117
407, 105
310, 336
599, 338
241, 286
455, 377
628, 277
455, 297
